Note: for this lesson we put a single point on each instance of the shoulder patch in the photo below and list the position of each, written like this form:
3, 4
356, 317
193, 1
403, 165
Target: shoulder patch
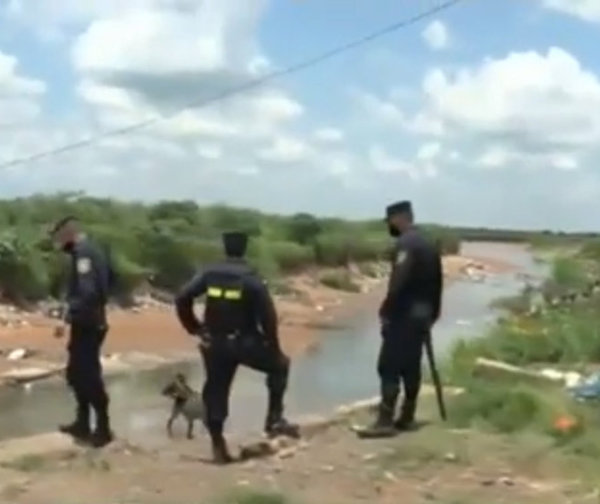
84, 265
401, 257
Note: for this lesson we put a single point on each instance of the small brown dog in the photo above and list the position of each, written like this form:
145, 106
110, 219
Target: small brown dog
186, 402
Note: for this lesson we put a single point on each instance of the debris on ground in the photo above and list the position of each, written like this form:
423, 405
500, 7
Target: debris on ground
587, 389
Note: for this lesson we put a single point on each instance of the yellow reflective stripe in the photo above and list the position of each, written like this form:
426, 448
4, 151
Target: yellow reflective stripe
214, 292
233, 294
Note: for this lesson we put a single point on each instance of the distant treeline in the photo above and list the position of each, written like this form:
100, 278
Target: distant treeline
163, 244
510, 235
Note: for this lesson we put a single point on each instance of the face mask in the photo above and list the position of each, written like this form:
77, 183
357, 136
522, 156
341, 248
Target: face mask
392, 230
68, 246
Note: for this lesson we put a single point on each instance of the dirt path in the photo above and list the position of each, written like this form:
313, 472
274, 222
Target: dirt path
435, 464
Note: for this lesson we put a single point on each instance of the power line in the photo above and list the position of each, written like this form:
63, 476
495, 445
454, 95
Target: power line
251, 84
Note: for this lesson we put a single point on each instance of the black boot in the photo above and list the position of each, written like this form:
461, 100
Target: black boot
221, 455
80, 428
102, 435
281, 427
406, 420
276, 424
384, 424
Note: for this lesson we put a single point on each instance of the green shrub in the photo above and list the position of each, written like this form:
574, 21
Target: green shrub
168, 241
568, 272
340, 280
291, 257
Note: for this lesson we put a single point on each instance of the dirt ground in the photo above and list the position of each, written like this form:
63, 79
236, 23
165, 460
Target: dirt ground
155, 329
435, 464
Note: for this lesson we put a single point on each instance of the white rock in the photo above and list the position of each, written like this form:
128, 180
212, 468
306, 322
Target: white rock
17, 354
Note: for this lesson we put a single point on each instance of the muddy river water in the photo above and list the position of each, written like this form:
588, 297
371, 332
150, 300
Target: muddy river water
341, 369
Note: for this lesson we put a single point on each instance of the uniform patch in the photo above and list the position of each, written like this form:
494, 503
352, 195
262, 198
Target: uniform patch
401, 257
84, 265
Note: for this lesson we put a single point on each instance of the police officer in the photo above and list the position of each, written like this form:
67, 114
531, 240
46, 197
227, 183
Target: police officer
240, 327
409, 310
87, 293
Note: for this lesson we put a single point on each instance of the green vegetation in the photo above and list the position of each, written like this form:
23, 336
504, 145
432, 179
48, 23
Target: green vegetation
165, 243
563, 332
252, 497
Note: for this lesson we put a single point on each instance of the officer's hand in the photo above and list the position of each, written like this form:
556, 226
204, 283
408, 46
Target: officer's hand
59, 331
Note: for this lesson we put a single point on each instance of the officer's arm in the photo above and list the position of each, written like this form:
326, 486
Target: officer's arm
92, 280
399, 276
267, 314
184, 303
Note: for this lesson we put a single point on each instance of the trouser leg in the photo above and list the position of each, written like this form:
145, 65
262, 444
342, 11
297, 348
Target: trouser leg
220, 368
265, 357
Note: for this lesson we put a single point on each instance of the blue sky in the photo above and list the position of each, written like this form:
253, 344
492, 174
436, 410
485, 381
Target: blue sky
487, 113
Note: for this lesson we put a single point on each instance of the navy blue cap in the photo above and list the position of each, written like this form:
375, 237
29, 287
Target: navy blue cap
235, 242
400, 207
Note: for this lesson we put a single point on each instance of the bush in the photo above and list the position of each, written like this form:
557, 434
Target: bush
339, 280
168, 241
568, 272
291, 257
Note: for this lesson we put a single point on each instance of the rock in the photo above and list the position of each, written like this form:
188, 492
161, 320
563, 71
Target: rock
450, 457
17, 354
389, 476
25, 375
287, 453
505, 480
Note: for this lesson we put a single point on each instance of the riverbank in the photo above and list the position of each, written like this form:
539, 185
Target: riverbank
330, 465
150, 335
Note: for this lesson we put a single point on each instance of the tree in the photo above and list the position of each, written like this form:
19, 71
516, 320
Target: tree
303, 228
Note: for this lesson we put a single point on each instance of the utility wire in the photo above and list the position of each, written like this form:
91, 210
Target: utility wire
251, 84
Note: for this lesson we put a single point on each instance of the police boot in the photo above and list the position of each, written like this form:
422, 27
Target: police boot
221, 455
406, 420
102, 435
383, 426
80, 428
276, 424
281, 427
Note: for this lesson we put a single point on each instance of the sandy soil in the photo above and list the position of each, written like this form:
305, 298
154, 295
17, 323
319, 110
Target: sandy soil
435, 464
155, 329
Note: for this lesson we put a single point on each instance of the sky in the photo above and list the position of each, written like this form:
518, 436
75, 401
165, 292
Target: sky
486, 114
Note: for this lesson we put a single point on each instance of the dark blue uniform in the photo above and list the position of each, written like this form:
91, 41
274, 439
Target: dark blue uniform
410, 308
87, 295
240, 328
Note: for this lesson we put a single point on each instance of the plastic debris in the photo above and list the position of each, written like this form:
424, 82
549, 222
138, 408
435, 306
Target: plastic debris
588, 389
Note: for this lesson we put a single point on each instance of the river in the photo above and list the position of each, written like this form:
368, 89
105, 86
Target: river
341, 369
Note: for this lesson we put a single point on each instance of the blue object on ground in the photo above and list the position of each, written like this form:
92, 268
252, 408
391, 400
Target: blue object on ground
589, 389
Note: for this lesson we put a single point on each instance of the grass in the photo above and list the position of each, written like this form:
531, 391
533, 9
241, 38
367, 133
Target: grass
564, 337
253, 497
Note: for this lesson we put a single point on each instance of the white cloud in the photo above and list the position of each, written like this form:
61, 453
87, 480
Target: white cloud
538, 108
381, 161
436, 35
19, 96
588, 10
329, 135
285, 150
